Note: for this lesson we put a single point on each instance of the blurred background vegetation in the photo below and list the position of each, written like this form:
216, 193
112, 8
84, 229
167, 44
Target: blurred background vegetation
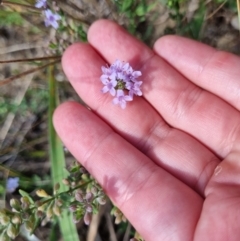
29, 148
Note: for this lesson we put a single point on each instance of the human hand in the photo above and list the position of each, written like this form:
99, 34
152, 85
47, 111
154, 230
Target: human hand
171, 160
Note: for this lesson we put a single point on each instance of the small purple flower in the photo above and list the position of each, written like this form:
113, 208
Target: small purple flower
51, 18
12, 184
106, 71
109, 86
107, 75
41, 4
135, 74
120, 78
119, 66
134, 88
121, 99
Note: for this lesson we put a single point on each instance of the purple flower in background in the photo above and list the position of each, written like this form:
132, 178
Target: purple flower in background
51, 18
41, 4
121, 99
12, 184
120, 79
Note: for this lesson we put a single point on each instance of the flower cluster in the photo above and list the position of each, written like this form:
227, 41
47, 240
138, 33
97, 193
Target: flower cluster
119, 79
83, 198
51, 18
119, 216
85, 201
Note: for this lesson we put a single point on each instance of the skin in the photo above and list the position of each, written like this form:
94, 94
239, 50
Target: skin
171, 160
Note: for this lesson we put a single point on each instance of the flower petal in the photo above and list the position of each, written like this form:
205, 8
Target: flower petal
112, 92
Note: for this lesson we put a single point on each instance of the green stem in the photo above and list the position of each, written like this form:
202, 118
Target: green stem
59, 194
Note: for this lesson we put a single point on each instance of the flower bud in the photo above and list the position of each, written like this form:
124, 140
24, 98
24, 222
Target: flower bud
85, 177
56, 187
25, 202
94, 190
66, 182
25, 216
25, 199
39, 214
79, 196
12, 231
38, 203
59, 202
56, 210
87, 218
44, 222
118, 219
77, 176
81, 182
4, 220
49, 212
42, 207
83, 170
32, 219
14, 203
124, 219
89, 196
102, 200
89, 208
73, 208
16, 219
2, 213
29, 226
116, 212
41, 193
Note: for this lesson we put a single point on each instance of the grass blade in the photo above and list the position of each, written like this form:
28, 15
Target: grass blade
58, 171
10, 79
238, 8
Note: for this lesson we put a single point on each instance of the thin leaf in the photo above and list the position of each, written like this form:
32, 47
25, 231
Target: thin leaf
25, 194
3, 189
126, 5
10, 79
29, 60
238, 7
58, 171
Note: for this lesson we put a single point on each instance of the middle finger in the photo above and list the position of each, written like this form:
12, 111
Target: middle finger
181, 103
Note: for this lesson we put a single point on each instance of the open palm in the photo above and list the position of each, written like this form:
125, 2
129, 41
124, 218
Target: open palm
171, 160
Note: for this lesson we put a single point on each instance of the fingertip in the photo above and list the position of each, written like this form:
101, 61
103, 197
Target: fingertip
101, 28
63, 115
176, 49
168, 43
74, 54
